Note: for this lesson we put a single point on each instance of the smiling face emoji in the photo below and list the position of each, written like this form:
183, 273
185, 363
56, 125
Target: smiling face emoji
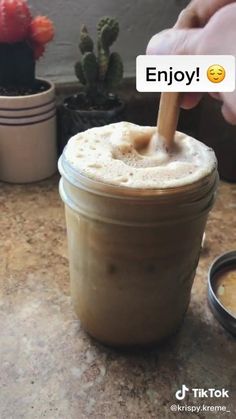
216, 73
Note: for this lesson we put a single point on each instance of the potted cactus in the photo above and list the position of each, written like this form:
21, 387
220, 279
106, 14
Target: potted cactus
27, 104
99, 75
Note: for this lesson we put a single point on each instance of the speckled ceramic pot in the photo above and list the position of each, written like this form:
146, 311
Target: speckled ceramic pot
28, 149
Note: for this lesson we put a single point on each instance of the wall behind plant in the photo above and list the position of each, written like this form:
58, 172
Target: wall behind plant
139, 20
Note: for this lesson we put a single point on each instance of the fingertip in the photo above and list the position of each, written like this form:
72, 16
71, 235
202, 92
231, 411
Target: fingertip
190, 100
228, 115
151, 45
215, 95
157, 45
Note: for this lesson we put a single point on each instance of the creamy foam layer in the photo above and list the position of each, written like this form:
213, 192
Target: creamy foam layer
129, 155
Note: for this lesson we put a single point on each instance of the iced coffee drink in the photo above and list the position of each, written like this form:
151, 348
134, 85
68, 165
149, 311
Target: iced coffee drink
135, 218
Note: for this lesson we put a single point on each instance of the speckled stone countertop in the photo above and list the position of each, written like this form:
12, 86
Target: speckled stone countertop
51, 369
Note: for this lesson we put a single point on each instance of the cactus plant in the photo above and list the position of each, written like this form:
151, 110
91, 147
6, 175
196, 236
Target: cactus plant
22, 42
15, 18
99, 74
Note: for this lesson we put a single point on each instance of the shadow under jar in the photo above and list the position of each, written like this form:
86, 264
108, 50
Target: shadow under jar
133, 254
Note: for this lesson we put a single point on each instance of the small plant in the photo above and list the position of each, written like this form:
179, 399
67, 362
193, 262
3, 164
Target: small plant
99, 74
22, 42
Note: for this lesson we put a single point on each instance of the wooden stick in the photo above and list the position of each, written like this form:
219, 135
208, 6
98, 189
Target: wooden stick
168, 117
168, 114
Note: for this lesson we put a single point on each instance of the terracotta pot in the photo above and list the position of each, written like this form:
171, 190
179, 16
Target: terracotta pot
28, 148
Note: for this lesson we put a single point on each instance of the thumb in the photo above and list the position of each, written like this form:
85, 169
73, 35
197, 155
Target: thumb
175, 41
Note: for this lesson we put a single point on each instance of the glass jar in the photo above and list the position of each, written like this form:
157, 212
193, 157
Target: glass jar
133, 254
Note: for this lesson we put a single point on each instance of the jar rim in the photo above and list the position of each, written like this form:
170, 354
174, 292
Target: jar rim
78, 179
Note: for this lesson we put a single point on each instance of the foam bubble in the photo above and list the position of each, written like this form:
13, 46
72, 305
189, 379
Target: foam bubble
130, 155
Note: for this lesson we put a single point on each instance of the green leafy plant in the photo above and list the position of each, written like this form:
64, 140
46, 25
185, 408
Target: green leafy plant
99, 73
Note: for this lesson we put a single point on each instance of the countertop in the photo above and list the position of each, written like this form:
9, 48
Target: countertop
51, 369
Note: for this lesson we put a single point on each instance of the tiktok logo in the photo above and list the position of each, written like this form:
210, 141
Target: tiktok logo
201, 392
180, 394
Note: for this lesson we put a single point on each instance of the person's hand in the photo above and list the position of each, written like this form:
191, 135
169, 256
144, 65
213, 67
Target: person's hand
218, 36
198, 12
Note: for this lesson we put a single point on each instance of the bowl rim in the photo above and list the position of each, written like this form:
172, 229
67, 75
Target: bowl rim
222, 314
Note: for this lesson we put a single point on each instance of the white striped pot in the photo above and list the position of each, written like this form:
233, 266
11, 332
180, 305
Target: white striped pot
28, 147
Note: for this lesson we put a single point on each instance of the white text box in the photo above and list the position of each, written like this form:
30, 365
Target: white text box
185, 73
